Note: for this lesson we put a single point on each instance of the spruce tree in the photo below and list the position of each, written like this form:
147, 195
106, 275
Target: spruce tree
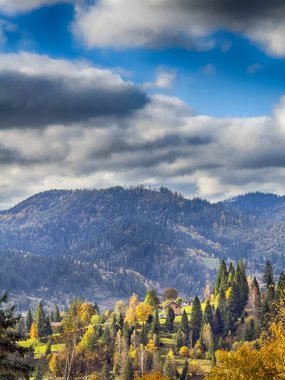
231, 274
169, 322
128, 373
233, 308
223, 306
250, 334
221, 273
242, 287
12, 365
57, 317
196, 320
40, 320
268, 275
185, 371
281, 287
156, 323
208, 315
29, 320
179, 339
48, 328
218, 322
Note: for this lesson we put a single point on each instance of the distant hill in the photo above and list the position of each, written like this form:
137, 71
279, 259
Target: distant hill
100, 244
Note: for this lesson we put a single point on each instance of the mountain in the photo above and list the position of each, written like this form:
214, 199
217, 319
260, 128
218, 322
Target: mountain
105, 244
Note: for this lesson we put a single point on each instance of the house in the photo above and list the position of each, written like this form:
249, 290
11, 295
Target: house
174, 306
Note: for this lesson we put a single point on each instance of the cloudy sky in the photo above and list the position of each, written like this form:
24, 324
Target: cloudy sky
188, 94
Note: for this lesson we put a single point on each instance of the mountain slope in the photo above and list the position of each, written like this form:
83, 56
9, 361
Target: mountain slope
108, 243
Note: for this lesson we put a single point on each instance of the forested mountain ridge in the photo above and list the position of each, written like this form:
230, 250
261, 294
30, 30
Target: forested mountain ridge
108, 243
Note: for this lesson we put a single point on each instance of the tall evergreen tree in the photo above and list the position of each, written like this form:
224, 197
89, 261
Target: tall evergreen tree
223, 306
57, 317
231, 273
221, 273
169, 322
185, 371
40, 320
29, 320
48, 328
268, 277
128, 373
233, 308
196, 320
185, 328
208, 315
281, 287
250, 333
242, 287
156, 323
218, 322
12, 365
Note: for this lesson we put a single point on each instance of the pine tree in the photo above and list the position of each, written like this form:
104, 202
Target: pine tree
185, 371
196, 320
281, 287
221, 273
218, 322
233, 308
151, 298
57, 317
268, 275
242, 287
208, 315
40, 320
169, 368
250, 334
48, 328
179, 339
169, 322
29, 320
12, 365
223, 306
156, 323
128, 373
231, 274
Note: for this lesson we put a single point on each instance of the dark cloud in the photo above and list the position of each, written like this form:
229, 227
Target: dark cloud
38, 101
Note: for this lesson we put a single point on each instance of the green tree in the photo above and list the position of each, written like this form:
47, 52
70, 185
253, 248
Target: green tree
169, 368
268, 275
169, 322
40, 320
196, 320
151, 298
29, 320
281, 287
250, 333
12, 363
128, 373
156, 323
48, 328
208, 314
57, 317
185, 371
242, 287
222, 273
233, 308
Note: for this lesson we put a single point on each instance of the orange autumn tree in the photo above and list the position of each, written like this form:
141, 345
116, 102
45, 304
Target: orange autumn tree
249, 363
152, 376
34, 331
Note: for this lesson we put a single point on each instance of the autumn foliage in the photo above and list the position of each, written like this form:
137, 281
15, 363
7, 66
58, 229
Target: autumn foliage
152, 376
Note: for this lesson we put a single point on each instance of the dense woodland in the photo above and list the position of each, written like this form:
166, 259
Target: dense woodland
109, 243
236, 332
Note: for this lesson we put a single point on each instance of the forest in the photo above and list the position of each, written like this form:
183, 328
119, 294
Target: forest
106, 244
236, 331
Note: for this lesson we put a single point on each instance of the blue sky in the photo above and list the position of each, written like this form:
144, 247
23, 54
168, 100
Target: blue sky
47, 30
186, 94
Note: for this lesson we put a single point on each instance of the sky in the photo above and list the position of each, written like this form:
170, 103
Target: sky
187, 94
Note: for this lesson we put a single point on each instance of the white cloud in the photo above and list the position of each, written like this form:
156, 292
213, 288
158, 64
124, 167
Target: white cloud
163, 80
11, 7
182, 23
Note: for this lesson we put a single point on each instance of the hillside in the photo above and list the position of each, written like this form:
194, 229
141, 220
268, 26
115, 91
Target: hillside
107, 243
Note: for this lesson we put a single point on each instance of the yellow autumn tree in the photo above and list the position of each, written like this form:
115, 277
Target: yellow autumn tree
184, 351
152, 376
143, 311
54, 364
34, 331
131, 311
248, 363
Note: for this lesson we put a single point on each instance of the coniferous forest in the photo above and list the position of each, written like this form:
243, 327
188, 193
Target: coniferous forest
236, 331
